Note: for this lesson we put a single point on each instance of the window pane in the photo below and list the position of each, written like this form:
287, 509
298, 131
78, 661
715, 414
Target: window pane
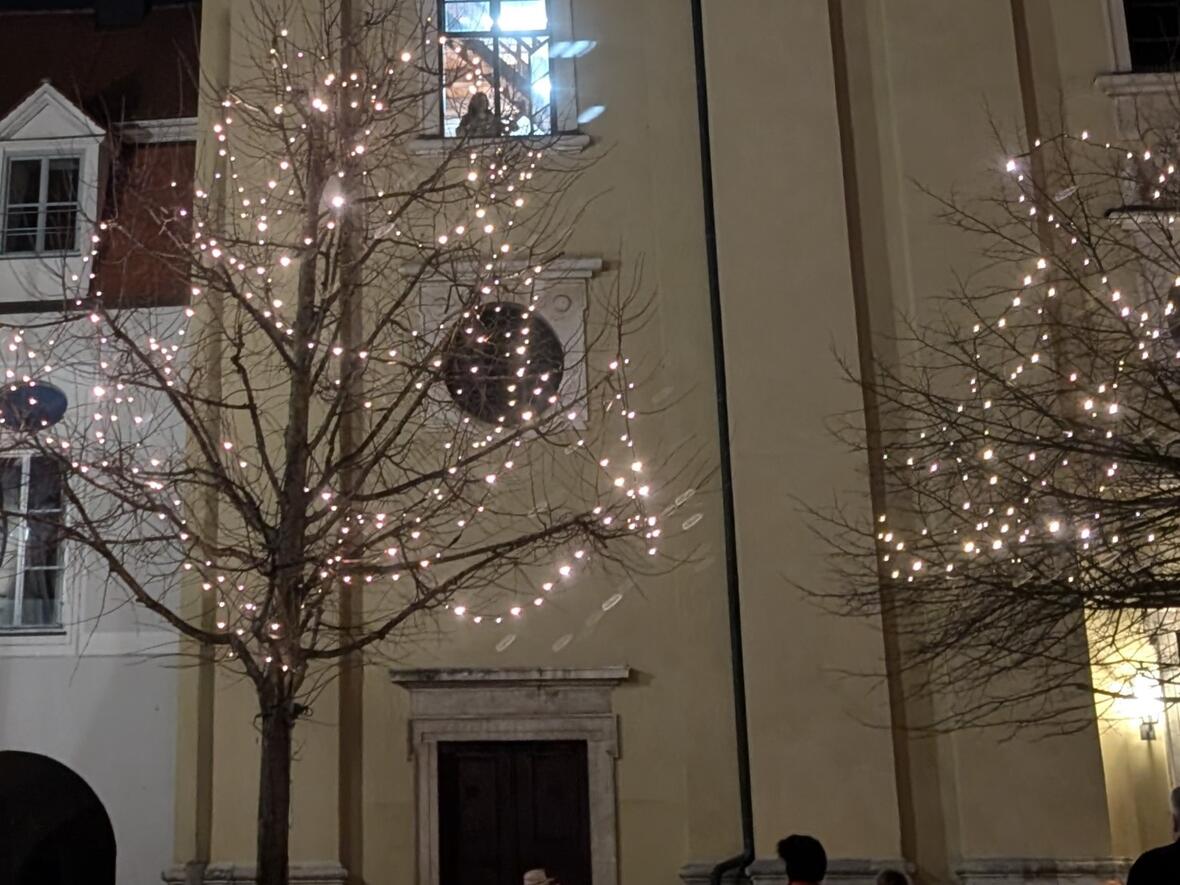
20, 230
44, 545
526, 85
44, 485
7, 592
63, 181
1153, 29
467, 73
10, 533
468, 16
24, 182
11, 475
61, 229
523, 15
39, 607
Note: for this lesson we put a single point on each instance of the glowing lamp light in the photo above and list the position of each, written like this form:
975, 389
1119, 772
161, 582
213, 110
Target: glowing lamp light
1147, 705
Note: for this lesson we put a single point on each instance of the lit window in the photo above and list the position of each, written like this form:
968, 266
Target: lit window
1153, 34
40, 206
30, 543
495, 64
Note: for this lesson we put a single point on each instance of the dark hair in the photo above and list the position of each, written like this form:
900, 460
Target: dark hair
892, 877
805, 858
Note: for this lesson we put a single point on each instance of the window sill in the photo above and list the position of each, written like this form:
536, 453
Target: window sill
37, 256
31, 632
1129, 84
71, 641
436, 146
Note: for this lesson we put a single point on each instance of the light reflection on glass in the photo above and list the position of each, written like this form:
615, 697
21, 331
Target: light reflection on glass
523, 15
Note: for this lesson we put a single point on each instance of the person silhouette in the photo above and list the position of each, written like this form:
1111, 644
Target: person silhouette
479, 120
805, 860
1160, 866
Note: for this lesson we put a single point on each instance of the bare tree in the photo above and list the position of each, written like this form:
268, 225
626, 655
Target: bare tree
313, 455
1025, 549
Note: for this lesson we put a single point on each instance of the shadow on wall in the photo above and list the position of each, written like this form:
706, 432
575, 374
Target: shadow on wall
53, 828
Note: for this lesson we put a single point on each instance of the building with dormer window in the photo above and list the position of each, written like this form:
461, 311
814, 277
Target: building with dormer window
97, 118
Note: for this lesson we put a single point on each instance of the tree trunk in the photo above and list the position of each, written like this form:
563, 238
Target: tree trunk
274, 795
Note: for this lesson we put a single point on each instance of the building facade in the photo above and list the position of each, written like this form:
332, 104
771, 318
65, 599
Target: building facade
88, 701
598, 740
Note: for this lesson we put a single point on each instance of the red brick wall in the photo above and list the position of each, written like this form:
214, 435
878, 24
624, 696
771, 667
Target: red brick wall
140, 73
140, 263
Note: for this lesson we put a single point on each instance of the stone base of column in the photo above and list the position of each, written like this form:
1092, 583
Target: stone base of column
1042, 871
842, 870
327, 873
972, 871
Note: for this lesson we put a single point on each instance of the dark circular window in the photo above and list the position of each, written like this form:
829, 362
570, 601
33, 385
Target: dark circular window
31, 407
503, 363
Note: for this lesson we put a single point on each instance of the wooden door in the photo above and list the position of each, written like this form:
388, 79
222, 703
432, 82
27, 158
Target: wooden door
506, 807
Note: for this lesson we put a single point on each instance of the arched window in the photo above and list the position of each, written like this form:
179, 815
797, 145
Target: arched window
53, 828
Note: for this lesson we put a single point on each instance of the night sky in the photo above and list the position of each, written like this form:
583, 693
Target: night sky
48, 5
25, 5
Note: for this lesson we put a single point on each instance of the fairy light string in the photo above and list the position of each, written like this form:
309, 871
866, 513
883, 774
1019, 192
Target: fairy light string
450, 497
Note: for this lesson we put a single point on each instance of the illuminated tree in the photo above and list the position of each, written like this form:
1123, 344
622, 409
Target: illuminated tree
1025, 552
314, 456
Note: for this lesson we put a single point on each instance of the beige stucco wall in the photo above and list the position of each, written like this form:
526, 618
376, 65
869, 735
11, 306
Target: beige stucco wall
924, 75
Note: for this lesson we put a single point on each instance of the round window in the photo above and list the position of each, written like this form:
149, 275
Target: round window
32, 407
503, 363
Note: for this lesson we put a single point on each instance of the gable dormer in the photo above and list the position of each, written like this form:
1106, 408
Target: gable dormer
49, 196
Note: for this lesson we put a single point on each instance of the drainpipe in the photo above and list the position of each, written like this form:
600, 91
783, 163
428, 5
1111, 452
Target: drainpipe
737, 661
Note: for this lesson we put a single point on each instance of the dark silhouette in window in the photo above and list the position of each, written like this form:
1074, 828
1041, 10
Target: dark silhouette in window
53, 828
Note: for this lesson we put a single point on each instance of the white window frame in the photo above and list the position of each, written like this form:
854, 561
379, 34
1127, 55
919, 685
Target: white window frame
48, 125
42, 206
21, 540
516, 705
1120, 39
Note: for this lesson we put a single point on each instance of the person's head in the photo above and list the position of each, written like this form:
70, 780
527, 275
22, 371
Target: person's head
892, 877
805, 859
538, 877
1176, 812
479, 104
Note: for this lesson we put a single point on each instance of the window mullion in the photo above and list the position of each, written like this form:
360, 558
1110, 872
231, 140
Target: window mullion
496, 76
18, 601
43, 204
5, 187
496, 61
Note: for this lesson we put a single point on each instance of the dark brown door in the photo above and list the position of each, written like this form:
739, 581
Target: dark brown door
506, 807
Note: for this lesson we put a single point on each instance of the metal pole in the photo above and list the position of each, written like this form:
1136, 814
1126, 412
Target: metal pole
736, 648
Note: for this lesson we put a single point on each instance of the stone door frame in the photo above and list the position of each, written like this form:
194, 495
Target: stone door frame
516, 705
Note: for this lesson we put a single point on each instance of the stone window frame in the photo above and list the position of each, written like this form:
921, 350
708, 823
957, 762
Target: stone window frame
535, 704
567, 136
565, 289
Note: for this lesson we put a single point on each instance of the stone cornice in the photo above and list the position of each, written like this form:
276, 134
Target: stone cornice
451, 678
970, 871
310, 873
